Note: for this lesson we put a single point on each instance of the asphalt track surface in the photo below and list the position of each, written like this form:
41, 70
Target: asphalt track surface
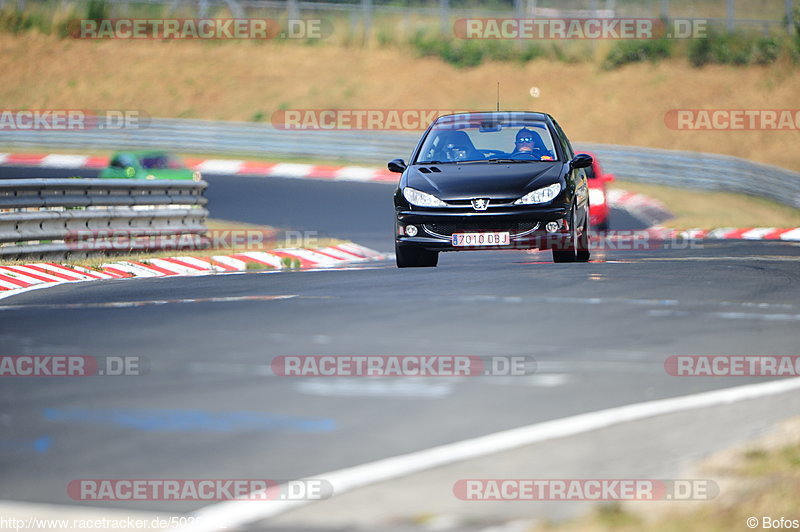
600, 333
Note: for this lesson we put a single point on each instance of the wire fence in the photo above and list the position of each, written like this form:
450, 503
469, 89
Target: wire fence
765, 16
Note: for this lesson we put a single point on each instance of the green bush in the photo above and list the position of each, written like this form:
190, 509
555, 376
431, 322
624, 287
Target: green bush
22, 21
97, 10
733, 49
624, 52
469, 52
457, 53
766, 51
699, 52
530, 52
496, 50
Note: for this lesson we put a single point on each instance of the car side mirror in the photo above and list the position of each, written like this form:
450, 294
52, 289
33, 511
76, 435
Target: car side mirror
581, 161
609, 178
397, 166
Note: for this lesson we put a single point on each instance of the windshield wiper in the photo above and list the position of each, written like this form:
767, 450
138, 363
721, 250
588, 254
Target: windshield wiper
496, 160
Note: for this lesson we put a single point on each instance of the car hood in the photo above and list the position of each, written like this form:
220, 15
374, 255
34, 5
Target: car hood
485, 180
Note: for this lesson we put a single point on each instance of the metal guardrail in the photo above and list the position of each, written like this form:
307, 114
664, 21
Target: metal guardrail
203, 136
699, 171
666, 167
60, 218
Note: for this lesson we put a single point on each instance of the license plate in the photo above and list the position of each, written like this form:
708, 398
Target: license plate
481, 239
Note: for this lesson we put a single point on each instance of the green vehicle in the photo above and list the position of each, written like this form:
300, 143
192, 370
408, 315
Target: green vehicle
147, 165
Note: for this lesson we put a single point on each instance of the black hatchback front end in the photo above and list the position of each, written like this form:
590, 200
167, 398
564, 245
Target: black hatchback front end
463, 191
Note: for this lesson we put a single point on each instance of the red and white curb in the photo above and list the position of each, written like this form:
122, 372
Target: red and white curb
790, 234
216, 166
19, 277
653, 210
648, 209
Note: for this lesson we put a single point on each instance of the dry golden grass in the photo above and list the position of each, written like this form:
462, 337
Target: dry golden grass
237, 80
708, 210
759, 478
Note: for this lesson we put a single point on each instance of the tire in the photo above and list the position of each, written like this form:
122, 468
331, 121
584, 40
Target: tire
578, 247
583, 254
568, 254
415, 258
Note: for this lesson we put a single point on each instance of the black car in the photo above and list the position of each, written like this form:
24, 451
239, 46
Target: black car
494, 180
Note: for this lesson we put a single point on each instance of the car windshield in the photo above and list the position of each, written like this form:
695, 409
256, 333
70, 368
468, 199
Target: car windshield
488, 140
160, 161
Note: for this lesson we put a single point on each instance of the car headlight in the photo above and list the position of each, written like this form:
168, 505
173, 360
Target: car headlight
422, 199
596, 196
540, 195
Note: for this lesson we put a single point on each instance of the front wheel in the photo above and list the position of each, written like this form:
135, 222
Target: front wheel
577, 246
408, 257
583, 254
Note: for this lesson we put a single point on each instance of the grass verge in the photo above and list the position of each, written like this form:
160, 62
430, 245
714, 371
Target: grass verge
758, 479
625, 105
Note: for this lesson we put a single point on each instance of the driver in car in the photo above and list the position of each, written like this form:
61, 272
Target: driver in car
526, 146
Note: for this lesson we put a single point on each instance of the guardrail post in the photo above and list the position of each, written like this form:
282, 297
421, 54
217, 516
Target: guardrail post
292, 11
366, 11
730, 15
444, 17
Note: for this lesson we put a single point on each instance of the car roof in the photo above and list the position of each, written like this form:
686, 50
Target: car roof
495, 115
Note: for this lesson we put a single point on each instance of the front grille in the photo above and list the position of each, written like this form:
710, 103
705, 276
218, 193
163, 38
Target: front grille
447, 229
493, 202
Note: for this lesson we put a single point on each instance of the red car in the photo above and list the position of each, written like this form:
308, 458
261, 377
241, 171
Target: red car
598, 206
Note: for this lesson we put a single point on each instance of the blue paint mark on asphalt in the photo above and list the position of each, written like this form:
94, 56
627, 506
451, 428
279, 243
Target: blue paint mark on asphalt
40, 445
151, 419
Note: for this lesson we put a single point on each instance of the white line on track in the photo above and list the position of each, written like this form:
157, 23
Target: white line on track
131, 304
723, 315
235, 513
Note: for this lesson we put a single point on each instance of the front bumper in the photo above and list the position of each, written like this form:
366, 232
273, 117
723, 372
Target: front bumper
526, 226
